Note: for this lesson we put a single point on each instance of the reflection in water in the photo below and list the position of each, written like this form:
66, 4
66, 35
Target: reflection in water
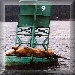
34, 66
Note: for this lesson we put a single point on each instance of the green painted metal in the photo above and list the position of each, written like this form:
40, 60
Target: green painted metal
32, 42
14, 60
38, 14
34, 16
33, 22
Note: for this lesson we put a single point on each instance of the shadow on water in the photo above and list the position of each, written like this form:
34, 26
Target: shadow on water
34, 66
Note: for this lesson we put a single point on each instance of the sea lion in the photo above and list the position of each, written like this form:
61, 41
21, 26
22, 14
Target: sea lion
28, 51
15, 47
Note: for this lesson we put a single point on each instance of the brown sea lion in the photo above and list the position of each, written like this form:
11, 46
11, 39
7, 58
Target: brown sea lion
28, 51
15, 47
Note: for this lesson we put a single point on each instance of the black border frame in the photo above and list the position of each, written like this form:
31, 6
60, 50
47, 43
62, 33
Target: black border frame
37, 72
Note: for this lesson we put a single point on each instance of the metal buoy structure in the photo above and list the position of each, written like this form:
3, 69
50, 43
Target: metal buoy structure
32, 30
33, 22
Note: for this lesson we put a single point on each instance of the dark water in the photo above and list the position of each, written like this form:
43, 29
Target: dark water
52, 68
34, 66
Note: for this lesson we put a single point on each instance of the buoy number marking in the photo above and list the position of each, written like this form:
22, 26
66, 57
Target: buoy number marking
43, 8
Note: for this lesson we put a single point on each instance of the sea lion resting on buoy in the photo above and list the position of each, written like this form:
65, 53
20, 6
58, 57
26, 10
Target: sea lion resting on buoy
28, 51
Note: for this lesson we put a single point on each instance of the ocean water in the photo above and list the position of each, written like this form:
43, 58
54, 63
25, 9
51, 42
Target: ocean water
59, 42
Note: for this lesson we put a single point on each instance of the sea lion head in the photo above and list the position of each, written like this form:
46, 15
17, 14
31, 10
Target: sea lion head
15, 47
